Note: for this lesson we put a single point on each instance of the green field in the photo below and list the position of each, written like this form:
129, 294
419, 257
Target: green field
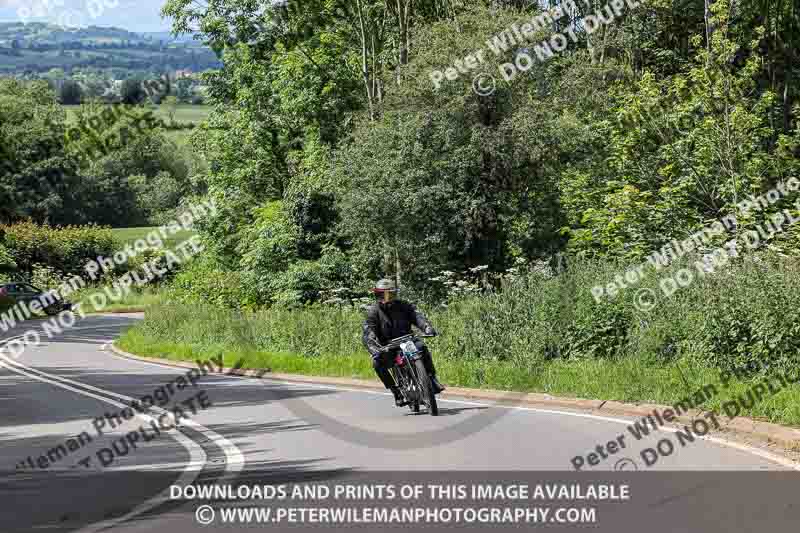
185, 113
179, 137
136, 300
129, 235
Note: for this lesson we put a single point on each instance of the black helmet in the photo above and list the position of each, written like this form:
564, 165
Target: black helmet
385, 290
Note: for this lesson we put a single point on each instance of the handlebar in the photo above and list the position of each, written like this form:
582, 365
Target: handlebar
395, 343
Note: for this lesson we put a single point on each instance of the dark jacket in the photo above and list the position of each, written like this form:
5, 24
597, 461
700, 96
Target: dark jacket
395, 321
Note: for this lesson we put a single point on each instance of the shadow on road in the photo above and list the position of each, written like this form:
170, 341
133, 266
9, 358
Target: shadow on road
450, 411
68, 500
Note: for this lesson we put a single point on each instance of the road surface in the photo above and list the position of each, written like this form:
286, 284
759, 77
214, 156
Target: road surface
70, 461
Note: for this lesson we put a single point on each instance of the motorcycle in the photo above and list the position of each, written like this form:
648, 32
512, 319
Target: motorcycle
409, 374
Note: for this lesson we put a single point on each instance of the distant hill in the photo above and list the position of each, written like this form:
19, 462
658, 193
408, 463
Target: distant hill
43, 33
167, 36
36, 48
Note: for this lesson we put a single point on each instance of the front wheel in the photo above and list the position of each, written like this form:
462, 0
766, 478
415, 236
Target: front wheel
427, 388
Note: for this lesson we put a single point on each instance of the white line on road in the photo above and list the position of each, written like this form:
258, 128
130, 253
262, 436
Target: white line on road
234, 457
198, 458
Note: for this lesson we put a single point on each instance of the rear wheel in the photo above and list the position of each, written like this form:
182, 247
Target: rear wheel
427, 389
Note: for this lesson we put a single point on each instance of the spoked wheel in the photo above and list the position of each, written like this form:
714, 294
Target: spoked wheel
413, 399
427, 389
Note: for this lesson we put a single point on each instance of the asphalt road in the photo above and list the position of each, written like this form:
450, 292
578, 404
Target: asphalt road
55, 396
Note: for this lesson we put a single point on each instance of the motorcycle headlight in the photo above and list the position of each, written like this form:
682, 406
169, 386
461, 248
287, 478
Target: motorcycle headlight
408, 347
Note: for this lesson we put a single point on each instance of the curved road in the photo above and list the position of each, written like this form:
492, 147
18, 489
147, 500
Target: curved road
61, 398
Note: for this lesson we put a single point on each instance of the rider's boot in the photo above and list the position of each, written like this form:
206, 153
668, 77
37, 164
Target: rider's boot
437, 387
399, 401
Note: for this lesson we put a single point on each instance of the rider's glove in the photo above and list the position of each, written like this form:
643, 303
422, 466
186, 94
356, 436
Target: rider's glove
430, 331
381, 351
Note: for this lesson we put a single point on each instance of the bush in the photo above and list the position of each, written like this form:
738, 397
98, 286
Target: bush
66, 250
7, 263
203, 281
745, 317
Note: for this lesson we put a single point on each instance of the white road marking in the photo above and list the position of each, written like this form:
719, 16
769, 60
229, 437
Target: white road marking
198, 458
233, 455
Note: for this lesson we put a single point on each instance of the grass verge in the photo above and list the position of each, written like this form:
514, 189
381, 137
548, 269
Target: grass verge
320, 342
134, 301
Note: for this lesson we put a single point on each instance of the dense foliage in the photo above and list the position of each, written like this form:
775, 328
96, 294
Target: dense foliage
334, 158
338, 160
107, 165
64, 251
744, 318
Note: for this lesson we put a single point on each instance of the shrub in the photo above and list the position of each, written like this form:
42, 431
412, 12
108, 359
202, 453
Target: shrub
64, 249
203, 281
744, 316
7, 263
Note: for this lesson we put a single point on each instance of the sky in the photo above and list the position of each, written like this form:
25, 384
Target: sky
133, 15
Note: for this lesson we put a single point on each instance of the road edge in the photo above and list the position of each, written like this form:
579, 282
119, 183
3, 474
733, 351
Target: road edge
785, 438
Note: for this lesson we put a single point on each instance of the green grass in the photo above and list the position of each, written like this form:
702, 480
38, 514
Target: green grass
130, 235
326, 342
72, 112
133, 302
179, 137
185, 113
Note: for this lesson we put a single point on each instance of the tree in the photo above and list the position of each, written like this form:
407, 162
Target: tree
183, 90
328, 139
132, 92
71, 93
38, 180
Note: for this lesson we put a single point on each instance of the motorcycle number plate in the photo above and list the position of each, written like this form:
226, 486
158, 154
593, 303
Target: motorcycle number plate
409, 347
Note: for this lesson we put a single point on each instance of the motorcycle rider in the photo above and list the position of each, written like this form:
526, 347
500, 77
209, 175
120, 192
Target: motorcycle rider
387, 319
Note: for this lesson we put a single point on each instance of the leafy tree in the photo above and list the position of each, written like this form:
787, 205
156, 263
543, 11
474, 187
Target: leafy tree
71, 93
329, 144
37, 179
183, 88
132, 92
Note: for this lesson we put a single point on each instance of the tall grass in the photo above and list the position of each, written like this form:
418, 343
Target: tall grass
137, 300
537, 334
